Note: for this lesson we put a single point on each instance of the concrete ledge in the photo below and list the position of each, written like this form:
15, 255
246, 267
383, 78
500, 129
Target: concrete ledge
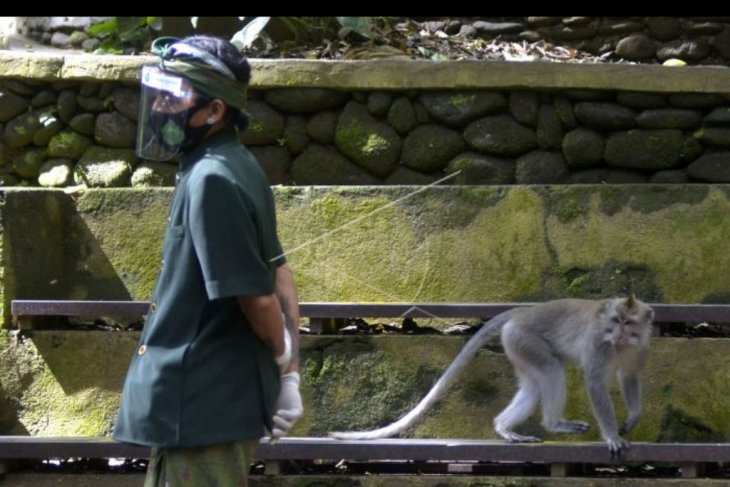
393, 74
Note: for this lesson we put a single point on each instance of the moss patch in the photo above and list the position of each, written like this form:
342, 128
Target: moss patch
68, 383
677, 243
614, 198
609, 279
566, 202
64, 383
342, 252
362, 383
461, 99
119, 243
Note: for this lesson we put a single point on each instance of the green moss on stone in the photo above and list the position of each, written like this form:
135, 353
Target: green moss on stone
68, 144
374, 144
658, 197
676, 243
567, 202
358, 138
65, 383
461, 99
610, 279
345, 253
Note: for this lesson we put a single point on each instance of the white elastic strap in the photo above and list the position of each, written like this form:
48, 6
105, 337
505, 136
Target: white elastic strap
284, 359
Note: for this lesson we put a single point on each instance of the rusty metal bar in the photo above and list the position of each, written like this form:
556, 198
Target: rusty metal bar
390, 449
489, 450
664, 312
28, 447
21, 307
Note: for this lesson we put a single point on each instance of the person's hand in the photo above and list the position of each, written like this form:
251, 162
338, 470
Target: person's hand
289, 406
284, 359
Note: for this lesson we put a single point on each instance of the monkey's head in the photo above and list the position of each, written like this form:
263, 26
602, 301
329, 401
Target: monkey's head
627, 322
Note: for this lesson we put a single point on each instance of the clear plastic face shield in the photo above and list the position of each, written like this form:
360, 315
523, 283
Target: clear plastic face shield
166, 102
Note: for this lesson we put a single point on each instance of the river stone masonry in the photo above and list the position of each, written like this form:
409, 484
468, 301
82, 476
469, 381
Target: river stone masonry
354, 123
324, 136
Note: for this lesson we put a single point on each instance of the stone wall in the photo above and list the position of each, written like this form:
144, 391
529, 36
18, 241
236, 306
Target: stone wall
70, 133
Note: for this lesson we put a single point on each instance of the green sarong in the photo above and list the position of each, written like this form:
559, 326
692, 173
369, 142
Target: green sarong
224, 465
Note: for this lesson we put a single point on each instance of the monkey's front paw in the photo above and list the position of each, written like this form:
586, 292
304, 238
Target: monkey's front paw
616, 446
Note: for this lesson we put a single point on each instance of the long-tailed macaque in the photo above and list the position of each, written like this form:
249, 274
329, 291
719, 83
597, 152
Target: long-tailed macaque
598, 336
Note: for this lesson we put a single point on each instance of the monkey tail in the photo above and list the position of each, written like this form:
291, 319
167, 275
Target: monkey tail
470, 349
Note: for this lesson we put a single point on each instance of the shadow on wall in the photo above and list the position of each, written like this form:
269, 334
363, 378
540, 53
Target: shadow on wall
9, 424
88, 361
89, 270
51, 253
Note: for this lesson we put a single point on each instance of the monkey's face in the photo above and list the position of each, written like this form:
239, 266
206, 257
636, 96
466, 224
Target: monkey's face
628, 324
625, 331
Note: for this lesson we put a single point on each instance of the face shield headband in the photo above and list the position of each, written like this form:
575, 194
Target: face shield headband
208, 74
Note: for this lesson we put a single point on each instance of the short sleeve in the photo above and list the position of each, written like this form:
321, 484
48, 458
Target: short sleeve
225, 234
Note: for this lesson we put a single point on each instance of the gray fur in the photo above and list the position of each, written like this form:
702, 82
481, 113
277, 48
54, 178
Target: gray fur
598, 336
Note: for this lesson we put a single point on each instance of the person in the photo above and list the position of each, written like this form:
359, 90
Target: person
217, 362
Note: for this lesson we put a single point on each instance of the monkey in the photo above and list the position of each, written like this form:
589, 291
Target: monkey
597, 335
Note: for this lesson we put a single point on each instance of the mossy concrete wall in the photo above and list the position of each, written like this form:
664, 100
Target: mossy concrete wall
398, 244
665, 243
68, 383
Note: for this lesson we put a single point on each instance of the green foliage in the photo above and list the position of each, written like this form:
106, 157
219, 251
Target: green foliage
311, 29
120, 35
359, 25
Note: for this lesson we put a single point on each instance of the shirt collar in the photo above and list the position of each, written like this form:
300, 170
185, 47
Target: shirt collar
223, 136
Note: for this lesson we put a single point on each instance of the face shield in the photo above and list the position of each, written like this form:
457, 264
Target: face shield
166, 102
185, 81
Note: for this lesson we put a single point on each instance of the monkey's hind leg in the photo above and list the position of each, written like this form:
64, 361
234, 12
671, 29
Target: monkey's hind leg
519, 409
553, 392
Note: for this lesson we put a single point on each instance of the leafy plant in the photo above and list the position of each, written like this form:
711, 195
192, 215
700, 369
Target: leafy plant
311, 29
359, 25
120, 34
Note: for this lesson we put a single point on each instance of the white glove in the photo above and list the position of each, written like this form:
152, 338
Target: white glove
283, 360
289, 406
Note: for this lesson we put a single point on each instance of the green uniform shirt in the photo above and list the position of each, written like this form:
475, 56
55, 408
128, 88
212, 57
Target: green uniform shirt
200, 376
